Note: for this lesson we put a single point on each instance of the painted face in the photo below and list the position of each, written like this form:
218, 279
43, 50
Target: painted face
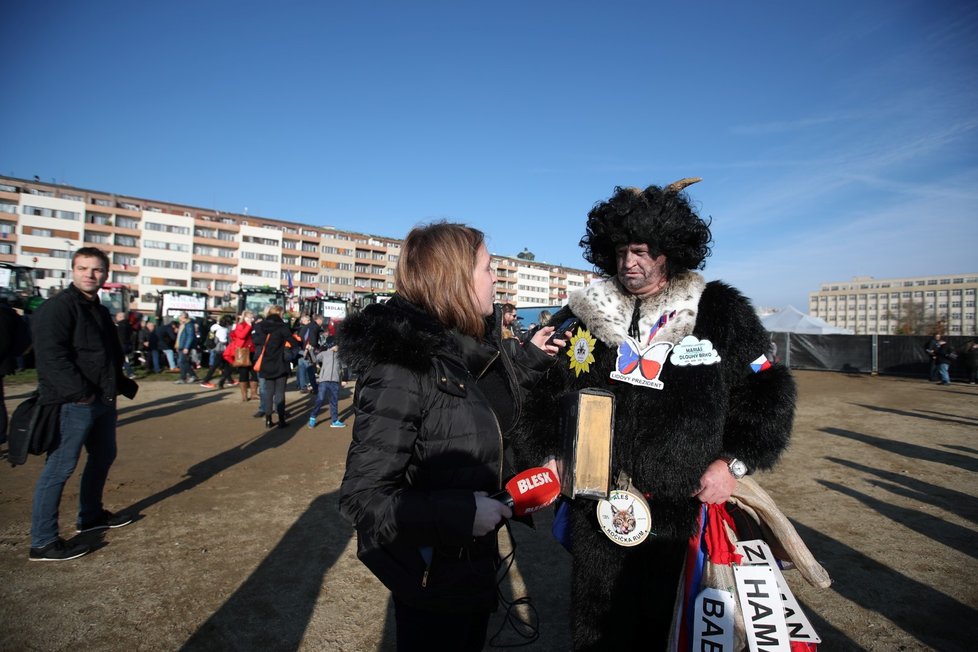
483, 282
88, 273
640, 272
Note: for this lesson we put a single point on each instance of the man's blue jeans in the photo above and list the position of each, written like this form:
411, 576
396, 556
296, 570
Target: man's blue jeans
942, 371
329, 388
91, 425
186, 366
302, 373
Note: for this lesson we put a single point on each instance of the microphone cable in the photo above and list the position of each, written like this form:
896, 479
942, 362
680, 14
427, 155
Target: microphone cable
527, 629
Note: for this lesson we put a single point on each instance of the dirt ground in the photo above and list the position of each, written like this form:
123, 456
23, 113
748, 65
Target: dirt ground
239, 545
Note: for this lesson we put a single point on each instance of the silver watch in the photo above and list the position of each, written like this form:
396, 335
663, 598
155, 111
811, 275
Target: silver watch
738, 468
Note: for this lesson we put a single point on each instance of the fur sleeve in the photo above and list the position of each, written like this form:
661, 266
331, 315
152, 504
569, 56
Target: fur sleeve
761, 405
536, 436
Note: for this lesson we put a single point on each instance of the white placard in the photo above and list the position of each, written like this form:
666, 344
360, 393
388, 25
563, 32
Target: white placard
758, 553
713, 620
763, 609
334, 309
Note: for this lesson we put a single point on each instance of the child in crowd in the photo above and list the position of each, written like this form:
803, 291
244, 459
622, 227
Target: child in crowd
330, 382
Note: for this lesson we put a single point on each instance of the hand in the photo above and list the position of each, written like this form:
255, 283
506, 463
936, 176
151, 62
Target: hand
540, 338
555, 465
488, 514
717, 484
87, 400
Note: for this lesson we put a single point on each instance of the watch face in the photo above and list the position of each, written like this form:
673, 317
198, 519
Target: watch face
738, 468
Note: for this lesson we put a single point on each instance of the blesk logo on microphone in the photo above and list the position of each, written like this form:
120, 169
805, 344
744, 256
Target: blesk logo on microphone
536, 480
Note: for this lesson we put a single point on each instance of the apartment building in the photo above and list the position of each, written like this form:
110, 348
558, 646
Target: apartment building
878, 306
155, 245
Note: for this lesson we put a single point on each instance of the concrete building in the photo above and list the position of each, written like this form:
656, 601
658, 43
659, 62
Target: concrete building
156, 245
878, 306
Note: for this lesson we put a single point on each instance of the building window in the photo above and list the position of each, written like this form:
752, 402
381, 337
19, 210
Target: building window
165, 228
96, 238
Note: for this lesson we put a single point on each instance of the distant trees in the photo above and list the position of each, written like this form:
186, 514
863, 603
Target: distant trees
912, 319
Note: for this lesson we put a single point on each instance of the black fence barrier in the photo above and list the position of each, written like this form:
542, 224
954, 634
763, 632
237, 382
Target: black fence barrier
894, 355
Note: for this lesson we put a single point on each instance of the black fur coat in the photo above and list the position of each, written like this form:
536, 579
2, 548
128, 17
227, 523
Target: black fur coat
664, 438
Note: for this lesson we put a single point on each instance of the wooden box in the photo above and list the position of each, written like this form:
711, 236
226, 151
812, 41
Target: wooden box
587, 424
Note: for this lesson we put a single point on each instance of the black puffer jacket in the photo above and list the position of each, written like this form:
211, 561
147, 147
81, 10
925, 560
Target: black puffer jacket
77, 350
270, 336
426, 437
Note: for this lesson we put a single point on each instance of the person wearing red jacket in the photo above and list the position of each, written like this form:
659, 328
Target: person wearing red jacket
240, 336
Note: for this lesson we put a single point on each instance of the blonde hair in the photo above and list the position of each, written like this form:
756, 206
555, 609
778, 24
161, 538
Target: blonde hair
274, 310
435, 272
245, 314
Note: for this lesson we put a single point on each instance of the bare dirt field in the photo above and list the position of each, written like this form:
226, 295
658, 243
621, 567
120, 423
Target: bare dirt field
239, 545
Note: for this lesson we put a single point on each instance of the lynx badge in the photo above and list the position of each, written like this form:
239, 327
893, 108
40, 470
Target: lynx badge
625, 517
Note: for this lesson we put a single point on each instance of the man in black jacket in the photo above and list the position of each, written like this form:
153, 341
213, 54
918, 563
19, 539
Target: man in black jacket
79, 372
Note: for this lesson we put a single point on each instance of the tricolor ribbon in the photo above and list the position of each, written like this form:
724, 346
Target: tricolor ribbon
662, 321
760, 364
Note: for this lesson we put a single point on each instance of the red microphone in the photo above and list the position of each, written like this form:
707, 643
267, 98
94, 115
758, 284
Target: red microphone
529, 491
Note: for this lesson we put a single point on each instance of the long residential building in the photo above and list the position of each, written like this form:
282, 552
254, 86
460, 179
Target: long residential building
156, 245
871, 306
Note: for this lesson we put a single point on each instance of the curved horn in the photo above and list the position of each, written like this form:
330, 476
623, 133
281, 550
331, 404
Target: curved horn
677, 186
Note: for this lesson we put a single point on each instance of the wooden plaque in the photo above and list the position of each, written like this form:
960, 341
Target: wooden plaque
587, 420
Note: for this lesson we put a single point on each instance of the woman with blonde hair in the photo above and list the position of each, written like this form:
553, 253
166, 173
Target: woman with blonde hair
437, 394
238, 337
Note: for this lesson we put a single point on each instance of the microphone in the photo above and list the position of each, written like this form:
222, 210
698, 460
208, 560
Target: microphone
529, 491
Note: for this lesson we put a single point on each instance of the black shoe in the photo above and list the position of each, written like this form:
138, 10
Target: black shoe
282, 423
259, 414
105, 521
59, 550
268, 421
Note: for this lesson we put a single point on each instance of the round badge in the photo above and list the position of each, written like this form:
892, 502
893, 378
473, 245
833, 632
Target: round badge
625, 518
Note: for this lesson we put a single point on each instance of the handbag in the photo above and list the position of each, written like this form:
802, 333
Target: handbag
261, 356
242, 357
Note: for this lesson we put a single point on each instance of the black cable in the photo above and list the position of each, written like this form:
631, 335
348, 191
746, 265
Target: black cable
528, 629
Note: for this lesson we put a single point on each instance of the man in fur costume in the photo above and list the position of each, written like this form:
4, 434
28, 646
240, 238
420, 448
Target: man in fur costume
696, 405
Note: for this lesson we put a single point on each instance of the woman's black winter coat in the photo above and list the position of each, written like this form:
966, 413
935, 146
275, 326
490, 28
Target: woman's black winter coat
274, 330
425, 438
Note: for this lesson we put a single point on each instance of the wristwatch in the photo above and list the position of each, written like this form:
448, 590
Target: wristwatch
738, 468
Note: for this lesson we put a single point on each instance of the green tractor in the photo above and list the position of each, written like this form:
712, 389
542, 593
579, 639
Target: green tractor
17, 287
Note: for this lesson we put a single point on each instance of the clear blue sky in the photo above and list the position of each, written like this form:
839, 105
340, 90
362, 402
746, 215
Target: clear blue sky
835, 138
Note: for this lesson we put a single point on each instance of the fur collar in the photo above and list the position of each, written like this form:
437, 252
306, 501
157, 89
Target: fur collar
400, 333
606, 309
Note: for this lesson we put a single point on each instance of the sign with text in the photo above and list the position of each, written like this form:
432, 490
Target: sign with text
758, 553
763, 609
713, 620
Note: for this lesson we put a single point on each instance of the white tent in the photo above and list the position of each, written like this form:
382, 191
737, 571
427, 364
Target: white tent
792, 320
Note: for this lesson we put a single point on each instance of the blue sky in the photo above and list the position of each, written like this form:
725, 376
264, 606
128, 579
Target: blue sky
835, 138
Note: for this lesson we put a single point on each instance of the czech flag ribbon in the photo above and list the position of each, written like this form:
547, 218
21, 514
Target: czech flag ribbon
760, 364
